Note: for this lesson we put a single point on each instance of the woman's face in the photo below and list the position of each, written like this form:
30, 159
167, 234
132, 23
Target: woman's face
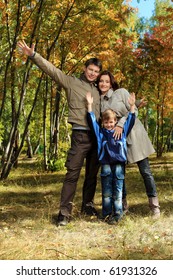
104, 84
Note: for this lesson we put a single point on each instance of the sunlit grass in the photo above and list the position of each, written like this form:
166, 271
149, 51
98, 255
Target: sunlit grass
29, 199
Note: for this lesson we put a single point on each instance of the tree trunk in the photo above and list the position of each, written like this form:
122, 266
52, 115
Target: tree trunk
28, 141
44, 125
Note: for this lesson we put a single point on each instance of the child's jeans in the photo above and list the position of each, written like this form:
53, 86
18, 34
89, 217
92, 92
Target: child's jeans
112, 179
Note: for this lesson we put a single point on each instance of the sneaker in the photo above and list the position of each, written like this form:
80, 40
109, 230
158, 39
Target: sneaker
62, 220
89, 209
110, 220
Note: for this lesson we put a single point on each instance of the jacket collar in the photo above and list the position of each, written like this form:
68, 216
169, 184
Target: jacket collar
83, 78
108, 94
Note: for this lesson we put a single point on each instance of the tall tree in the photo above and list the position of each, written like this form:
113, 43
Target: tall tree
65, 33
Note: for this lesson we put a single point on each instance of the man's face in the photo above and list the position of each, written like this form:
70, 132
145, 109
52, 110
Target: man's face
91, 72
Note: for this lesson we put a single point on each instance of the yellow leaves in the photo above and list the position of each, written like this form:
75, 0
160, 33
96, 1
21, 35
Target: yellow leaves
109, 231
106, 45
119, 77
34, 2
146, 250
2, 5
110, 251
111, 13
149, 250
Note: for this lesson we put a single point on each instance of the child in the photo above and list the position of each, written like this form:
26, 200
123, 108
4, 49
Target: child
112, 155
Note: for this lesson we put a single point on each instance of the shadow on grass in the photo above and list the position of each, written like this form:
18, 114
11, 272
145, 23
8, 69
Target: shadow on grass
142, 209
31, 205
32, 181
31, 193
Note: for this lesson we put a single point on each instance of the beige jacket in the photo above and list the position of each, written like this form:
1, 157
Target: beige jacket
139, 145
75, 91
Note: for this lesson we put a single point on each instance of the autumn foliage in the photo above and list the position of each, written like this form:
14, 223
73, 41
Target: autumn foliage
67, 33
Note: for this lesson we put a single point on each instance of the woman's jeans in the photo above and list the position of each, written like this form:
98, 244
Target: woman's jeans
145, 171
112, 179
150, 186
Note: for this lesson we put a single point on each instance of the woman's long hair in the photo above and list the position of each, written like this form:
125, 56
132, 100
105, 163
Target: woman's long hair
114, 84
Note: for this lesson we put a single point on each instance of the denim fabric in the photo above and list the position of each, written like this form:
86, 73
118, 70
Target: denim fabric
112, 179
124, 189
150, 186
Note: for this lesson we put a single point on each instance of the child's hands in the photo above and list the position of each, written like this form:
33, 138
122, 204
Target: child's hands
89, 98
132, 99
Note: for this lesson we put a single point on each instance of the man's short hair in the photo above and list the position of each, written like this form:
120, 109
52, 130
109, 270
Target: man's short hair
94, 61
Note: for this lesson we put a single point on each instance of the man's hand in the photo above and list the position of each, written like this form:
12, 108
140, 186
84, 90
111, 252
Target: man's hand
25, 49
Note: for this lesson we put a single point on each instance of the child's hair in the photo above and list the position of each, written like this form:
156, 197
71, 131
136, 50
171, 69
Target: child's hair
108, 114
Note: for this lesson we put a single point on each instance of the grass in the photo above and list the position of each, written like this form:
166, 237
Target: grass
29, 199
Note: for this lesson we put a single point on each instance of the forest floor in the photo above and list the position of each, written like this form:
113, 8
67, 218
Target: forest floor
29, 199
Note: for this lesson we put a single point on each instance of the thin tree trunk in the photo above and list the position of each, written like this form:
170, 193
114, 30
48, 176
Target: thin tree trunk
44, 125
28, 141
9, 156
37, 146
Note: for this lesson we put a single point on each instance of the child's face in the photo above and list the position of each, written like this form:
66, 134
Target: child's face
109, 124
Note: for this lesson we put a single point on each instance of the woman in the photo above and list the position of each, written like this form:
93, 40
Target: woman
139, 146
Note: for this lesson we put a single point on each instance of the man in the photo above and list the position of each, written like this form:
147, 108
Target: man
83, 142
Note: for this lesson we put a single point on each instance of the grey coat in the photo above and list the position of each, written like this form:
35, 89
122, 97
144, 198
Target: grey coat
139, 145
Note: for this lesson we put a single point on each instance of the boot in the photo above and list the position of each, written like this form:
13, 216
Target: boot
154, 206
125, 205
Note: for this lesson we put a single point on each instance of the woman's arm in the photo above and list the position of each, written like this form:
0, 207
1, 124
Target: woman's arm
122, 106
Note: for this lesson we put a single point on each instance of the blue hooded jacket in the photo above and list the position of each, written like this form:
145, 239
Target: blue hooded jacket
111, 151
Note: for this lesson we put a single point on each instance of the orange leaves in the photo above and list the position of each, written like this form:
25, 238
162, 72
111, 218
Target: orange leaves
2, 5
